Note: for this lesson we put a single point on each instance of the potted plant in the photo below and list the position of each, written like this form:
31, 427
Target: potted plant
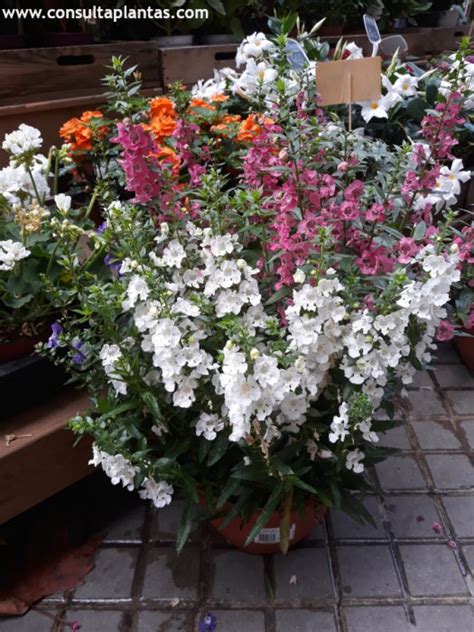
39, 230
258, 312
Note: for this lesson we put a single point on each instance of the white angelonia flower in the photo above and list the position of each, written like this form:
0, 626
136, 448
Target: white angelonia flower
354, 460
11, 252
160, 493
173, 255
183, 306
63, 202
137, 289
110, 355
299, 276
340, 424
266, 370
208, 426
117, 467
24, 139
368, 434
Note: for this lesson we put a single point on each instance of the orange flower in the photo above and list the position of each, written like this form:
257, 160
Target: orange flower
251, 127
224, 123
162, 117
219, 98
79, 131
200, 103
168, 155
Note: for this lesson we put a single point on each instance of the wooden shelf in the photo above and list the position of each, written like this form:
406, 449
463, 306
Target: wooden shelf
37, 466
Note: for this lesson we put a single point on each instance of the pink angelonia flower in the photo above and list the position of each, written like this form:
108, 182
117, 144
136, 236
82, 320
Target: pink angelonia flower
375, 213
407, 249
445, 331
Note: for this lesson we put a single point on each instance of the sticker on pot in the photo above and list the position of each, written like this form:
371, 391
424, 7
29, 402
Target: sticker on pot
272, 536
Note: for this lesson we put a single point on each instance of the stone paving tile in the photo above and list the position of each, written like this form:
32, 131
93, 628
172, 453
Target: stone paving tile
304, 621
345, 527
432, 570
468, 428
462, 401
426, 404
171, 576
94, 620
395, 438
411, 516
310, 567
165, 523
444, 619
469, 553
400, 472
239, 621
454, 376
461, 513
434, 435
128, 527
149, 621
451, 471
361, 579
422, 379
376, 619
29, 622
111, 577
238, 577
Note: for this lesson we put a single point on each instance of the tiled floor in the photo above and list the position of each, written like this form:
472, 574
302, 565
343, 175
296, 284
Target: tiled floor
401, 576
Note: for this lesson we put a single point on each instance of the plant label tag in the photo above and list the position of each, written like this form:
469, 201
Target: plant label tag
297, 58
349, 80
272, 536
372, 29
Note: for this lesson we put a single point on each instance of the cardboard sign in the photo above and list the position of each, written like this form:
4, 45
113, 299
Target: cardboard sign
349, 80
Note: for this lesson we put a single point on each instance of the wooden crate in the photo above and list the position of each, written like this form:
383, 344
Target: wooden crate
36, 467
48, 116
188, 64
44, 73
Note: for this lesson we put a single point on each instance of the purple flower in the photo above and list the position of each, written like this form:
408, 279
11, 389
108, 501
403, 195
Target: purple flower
79, 357
53, 340
102, 228
208, 624
111, 263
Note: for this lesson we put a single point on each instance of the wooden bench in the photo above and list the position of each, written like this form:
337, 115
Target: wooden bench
32, 468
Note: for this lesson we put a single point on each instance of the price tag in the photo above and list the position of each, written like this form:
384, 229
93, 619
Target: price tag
272, 536
296, 56
349, 80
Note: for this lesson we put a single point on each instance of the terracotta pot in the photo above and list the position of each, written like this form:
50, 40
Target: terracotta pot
268, 540
23, 345
465, 348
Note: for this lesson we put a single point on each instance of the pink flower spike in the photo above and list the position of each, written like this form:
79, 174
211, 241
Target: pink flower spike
445, 331
437, 528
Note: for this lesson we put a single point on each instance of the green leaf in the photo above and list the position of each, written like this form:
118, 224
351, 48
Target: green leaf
185, 524
229, 489
336, 494
416, 108
219, 448
203, 450
431, 93
420, 230
266, 513
217, 6
152, 404
235, 509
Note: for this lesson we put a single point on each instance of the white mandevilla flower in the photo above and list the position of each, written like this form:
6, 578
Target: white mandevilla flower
11, 252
